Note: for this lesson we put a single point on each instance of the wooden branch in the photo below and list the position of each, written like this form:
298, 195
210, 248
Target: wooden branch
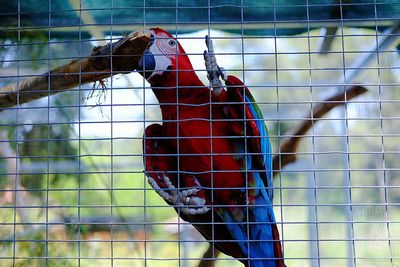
120, 57
288, 147
209, 256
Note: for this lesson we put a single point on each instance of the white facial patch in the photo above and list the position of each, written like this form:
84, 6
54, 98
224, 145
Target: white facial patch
164, 50
162, 61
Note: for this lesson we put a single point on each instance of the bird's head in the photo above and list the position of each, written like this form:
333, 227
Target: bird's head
163, 57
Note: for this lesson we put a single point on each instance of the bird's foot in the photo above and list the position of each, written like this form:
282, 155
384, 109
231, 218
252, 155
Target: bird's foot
192, 203
214, 72
189, 201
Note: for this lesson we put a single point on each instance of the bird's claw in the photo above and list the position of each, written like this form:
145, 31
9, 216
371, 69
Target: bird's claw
186, 200
192, 204
214, 72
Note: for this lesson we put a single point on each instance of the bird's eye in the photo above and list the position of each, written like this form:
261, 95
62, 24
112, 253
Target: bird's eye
172, 42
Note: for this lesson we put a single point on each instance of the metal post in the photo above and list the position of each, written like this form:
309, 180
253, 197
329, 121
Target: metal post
312, 217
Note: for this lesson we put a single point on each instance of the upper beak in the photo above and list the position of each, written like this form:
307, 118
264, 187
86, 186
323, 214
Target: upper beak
147, 64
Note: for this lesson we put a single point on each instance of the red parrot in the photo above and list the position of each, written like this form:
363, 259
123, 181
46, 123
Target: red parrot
211, 157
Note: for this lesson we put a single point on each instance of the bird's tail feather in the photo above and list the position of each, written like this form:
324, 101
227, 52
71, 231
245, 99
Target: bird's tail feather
265, 250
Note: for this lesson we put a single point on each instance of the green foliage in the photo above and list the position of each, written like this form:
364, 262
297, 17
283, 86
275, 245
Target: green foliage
44, 142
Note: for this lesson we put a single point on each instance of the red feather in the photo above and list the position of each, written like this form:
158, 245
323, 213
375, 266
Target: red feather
196, 145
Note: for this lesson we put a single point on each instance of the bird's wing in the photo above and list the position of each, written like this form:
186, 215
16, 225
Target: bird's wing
248, 123
245, 110
160, 160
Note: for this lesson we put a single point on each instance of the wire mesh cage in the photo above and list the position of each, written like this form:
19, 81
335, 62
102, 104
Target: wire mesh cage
78, 135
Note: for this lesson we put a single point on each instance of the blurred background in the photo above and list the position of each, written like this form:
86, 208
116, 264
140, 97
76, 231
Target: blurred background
72, 187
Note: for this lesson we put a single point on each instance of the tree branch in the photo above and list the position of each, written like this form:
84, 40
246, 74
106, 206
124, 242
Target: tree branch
209, 257
120, 57
288, 147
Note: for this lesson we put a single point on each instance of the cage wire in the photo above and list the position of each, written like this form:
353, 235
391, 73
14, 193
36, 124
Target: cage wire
73, 188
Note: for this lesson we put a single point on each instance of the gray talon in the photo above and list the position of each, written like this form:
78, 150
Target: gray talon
214, 72
186, 200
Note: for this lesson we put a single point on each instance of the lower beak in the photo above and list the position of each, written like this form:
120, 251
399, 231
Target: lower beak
147, 64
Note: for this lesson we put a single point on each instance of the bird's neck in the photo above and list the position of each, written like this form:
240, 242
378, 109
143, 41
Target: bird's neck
182, 89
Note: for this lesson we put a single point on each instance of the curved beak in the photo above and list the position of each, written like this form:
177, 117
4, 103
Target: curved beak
147, 64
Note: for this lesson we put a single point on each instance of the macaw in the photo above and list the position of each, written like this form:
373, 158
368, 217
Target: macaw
211, 157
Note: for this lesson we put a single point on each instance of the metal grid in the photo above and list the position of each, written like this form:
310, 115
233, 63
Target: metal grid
73, 191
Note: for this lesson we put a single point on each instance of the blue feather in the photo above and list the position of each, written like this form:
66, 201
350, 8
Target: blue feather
255, 230
260, 246
265, 143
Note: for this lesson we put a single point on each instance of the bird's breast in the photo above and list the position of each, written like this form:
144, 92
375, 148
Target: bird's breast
206, 150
